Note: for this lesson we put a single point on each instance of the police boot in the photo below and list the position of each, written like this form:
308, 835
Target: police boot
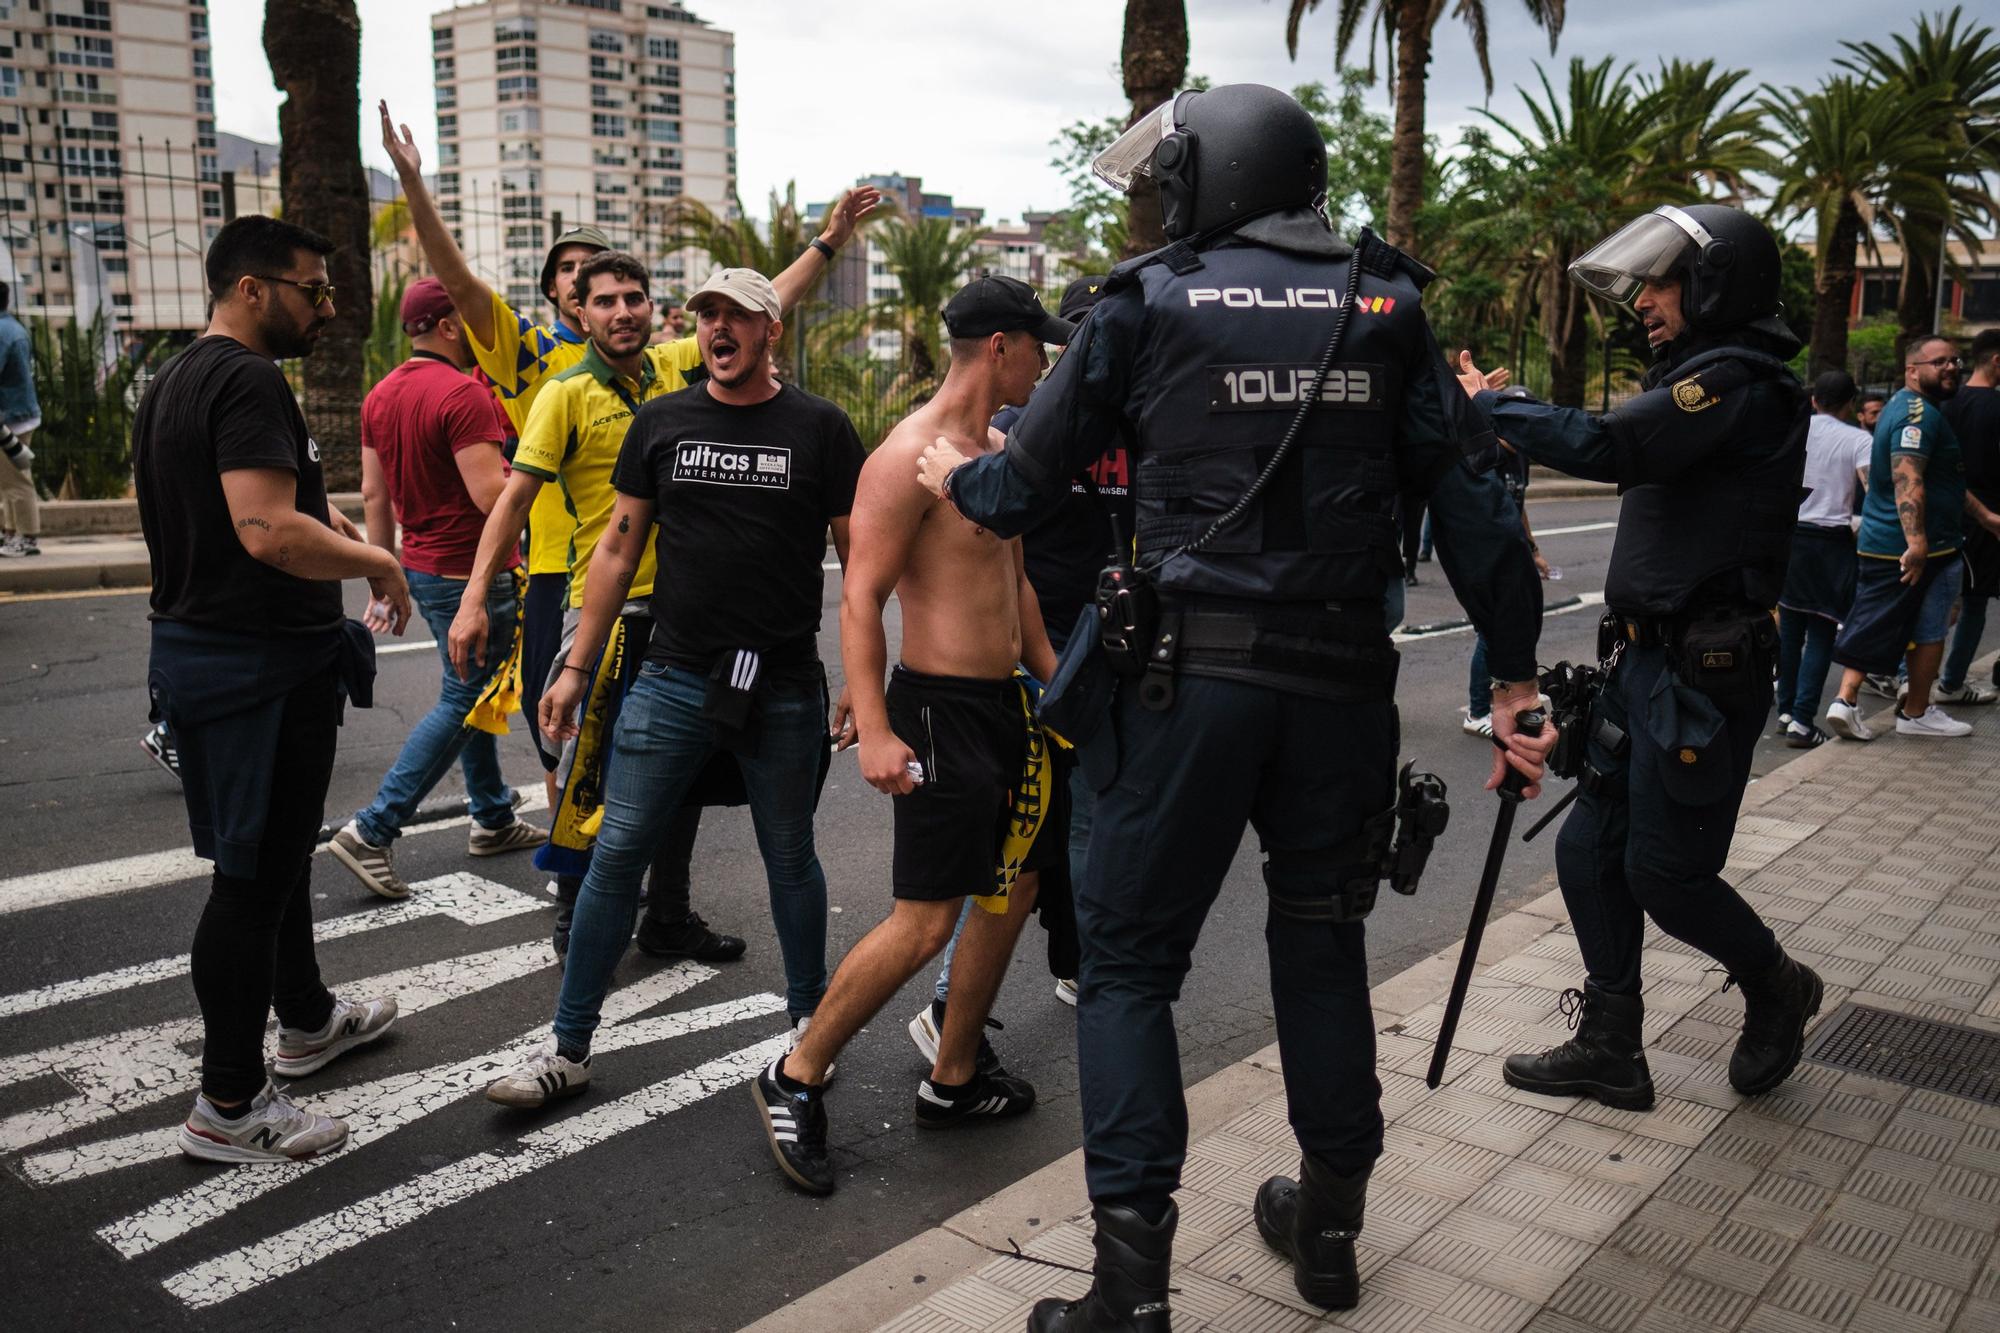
1135, 1264
1313, 1222
1606, 1059
1777, 1005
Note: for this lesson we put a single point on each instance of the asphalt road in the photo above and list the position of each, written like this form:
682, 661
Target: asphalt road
651, 1200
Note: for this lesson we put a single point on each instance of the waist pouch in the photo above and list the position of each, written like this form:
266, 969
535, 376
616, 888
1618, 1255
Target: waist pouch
1727, 657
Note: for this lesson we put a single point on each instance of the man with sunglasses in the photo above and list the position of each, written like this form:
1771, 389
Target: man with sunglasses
1912, 531
252, 659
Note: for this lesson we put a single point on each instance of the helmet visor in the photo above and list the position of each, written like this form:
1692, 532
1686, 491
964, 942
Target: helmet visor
1131, 157
1644, 250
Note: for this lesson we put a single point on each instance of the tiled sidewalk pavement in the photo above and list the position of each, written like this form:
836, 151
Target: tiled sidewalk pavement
1836, 1202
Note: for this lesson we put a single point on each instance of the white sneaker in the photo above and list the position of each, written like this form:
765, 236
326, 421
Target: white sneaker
274, 1129
1475, 726
925, 1032
1843, 719
1066, 991
1882, 685
350, 1025
1784, 723
798, 1031
540, 1079
1933, 721
1969, 695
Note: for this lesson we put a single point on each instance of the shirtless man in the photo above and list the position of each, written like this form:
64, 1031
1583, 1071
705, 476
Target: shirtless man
954, 713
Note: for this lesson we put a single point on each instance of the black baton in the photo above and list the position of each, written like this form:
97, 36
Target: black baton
1528, 723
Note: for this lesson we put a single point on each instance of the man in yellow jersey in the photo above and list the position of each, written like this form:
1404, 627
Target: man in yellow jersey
572, 438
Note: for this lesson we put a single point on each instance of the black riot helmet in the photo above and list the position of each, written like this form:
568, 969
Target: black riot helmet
1221, 156
1726, 260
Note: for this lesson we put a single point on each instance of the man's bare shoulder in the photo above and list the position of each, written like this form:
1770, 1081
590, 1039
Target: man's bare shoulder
908, 438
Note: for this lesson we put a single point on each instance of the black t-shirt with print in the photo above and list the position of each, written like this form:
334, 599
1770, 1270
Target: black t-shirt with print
742, 498
216, 407
1064, 552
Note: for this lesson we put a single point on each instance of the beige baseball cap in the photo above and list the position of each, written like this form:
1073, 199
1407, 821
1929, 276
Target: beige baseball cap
745, 286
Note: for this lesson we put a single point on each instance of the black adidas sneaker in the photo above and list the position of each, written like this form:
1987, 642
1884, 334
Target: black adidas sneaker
989, 1094
795, 1123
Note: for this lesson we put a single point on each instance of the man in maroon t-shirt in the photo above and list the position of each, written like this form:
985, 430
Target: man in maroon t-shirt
431, 463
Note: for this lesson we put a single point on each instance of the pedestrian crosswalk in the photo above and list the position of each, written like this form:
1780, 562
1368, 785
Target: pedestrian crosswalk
85, 1118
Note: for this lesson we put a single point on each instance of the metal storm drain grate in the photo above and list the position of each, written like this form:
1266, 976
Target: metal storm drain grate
1915, 1052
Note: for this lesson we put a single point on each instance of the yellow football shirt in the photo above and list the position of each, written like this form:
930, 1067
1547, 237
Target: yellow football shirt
572, 438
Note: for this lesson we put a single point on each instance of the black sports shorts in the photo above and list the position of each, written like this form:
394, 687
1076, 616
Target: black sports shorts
541, 640
971, 737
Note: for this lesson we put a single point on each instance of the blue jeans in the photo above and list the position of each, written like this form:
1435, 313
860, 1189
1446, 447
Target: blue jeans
1805, 652
662, 742
1964, 642
442, 736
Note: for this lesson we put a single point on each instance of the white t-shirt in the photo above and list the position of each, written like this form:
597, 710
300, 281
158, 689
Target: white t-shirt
1834, 451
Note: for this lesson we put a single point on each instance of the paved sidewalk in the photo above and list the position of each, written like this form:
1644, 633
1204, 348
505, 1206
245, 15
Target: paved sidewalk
1837, 1202
71, 564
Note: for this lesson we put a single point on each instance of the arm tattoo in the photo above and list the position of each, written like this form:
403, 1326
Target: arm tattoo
624, 522
284, 556
252, 523
1908, 475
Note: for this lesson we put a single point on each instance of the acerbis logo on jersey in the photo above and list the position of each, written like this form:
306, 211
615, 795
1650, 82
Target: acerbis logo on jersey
1287, 298
767, 466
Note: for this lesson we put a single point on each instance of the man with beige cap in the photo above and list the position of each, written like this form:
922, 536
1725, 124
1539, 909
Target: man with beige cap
743, 477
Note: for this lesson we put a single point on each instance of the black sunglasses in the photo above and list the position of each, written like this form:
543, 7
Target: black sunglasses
316, 292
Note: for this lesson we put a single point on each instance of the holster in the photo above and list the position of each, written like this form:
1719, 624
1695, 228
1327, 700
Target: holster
1394, 844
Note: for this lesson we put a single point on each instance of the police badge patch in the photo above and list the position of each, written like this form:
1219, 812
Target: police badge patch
1690, 396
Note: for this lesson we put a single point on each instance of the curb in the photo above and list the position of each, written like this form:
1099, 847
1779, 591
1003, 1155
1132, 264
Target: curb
39, 575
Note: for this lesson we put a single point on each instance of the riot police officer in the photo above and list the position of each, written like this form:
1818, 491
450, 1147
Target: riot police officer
1709, 460
1283, 388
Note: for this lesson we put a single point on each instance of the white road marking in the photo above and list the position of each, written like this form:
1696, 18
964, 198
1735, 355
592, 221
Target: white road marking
383, 649
377, 1098
1579, 527
375, 1110
1584, 602
463, 897
149, 869
228, 1275
119, 1071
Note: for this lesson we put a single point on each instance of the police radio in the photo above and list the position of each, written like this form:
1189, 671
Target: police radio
1128, 609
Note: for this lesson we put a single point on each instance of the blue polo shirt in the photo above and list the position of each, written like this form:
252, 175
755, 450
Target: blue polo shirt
1912, 424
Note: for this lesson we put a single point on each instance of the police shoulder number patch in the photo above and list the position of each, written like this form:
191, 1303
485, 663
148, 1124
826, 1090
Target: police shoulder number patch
1265, 387
1691, 395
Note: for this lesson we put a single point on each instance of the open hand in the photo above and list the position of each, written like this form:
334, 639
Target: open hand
936, 464
1472, 379
402, 149
847, 213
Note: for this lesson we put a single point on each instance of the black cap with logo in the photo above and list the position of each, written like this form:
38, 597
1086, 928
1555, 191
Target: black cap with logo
1080, 296
995, 304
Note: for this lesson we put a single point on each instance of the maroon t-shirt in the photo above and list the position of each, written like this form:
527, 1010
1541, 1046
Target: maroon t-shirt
416, 420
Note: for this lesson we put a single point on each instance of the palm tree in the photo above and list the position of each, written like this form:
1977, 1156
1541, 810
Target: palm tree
1714, 133
732, 240
1406, 28
1154, 60
1966, 120
929, 257
1850, 147
1592, 157
314, 47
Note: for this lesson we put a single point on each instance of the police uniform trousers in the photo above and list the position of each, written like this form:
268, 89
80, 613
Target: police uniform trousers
1305, 773
1651, 839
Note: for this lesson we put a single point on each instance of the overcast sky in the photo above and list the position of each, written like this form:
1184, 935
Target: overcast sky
969, 95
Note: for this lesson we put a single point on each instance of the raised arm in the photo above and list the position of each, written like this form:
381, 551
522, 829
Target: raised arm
841, 220
889, 509
471, 299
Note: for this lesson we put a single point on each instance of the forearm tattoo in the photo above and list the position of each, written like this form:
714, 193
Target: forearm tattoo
624, 522
1908, 475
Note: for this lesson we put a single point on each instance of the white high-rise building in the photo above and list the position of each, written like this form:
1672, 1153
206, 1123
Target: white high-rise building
109, 187
556, 113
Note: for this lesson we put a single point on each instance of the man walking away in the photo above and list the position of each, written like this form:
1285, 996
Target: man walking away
1819, 581
20, 413
1974, 413
1912, 529
251, 662
431, 461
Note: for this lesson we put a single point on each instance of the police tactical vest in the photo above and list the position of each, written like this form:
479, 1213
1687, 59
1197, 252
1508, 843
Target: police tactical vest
1234, 337
1720, 533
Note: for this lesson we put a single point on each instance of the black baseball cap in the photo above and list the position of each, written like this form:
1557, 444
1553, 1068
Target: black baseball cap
1833, 390
1080, 296
994, 304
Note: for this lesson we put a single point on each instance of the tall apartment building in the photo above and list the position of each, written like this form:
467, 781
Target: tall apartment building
554, 113
109, 187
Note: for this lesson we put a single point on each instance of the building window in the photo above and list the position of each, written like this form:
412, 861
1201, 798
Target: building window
514, 30
10, 81
666, 104
605, 67
96, 17
1980, 299
607, 157
606, 99
607, 127
448, 127
447, 96
520, 206
447, 182
661, 131
663, 48
520, 120
729, 108
663, 76
514, 58
444, 68
521, 180
519, 236
602, 40
519, 88
608, 6
1879, 292
441, 39
95, 53
525, 150
447, 154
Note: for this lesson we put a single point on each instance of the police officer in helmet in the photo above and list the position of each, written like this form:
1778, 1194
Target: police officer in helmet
1250, 646
1709, 460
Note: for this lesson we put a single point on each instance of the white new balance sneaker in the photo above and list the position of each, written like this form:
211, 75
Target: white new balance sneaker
350, 1025
274, 1129
1933, 721
1843, 719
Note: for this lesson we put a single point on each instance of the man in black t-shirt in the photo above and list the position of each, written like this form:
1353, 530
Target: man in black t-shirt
1974, 413
744, 477
251, 659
